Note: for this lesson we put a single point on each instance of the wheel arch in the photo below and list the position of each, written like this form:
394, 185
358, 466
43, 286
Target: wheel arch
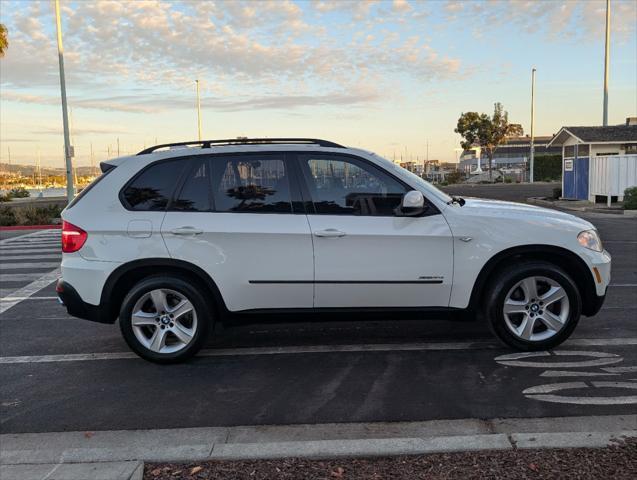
570, 262
125, 276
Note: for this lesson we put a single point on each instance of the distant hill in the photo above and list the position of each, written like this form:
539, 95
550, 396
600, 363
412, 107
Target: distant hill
27, 170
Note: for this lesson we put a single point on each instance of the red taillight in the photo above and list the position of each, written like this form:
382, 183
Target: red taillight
72, 237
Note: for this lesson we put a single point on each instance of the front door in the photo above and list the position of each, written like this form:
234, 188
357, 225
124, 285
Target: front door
234, 217
364, 255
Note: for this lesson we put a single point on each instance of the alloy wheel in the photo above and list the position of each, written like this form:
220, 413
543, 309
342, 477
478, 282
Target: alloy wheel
536, 309
164, 321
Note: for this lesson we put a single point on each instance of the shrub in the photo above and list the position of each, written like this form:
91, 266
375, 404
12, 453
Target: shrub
508, 180
5, 197
548, 167
7, 216
38, 215
557, 192
19, 192
630, 198
454, 177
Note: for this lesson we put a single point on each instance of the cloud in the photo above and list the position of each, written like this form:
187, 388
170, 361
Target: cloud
574, 19
255, 48
155, 103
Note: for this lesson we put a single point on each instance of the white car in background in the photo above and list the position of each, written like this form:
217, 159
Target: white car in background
182, 236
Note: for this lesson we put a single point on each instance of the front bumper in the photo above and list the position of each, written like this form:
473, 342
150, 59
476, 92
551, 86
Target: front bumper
77, 307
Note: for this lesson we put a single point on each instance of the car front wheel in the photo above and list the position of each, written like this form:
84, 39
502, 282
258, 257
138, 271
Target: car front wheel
165, 319
533, 306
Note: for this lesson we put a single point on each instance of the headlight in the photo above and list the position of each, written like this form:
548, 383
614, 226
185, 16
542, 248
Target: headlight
590, 239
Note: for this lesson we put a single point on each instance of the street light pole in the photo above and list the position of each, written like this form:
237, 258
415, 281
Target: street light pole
532, 159
198, 113
68, 149
606, 61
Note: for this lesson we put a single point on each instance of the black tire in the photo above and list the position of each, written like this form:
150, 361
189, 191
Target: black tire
184, 287
506, 279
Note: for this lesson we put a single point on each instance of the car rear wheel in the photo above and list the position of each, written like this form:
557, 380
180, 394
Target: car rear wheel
165, 319
533, 306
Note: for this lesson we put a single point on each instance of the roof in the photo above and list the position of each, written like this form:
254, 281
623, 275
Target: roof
609, 134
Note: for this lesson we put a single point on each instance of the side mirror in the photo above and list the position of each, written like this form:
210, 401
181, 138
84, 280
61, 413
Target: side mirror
412, 204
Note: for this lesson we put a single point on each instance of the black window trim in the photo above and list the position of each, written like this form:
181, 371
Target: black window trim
195, 162
311, 210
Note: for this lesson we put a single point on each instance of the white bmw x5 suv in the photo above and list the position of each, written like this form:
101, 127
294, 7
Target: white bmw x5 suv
182, 237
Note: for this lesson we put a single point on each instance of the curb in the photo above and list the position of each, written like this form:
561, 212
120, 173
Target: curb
610, 211
30, 227
312, 441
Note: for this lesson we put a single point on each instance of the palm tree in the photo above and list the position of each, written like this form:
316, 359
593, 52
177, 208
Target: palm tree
4, 41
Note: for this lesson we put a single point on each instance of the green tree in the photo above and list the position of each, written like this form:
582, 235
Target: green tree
488, 133
4, 40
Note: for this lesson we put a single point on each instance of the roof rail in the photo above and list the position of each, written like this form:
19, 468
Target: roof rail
245, 141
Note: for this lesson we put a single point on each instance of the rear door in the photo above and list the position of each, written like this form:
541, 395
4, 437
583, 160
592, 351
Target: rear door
238, 217
365, 255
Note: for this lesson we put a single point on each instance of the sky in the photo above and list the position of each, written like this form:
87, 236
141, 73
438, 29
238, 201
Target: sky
389, 76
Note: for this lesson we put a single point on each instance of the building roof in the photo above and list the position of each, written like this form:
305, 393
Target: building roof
609, 134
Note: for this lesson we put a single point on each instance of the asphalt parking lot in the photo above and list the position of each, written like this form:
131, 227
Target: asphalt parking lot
61, 374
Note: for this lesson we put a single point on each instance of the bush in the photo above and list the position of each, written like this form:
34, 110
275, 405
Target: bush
630, 198
454, 177
557, 192
37, 215
548, 167
508, 180
5, 197
19, 192
7, 216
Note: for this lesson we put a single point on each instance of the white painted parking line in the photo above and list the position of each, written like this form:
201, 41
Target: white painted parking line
623, 285
31, 288
31, 244
294, 350
620, 369
520, 359
20, 299
575, 373
46, 256
30, 265
546, 393
21, 249
19, 277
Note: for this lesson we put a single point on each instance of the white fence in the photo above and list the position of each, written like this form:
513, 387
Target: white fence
613, 174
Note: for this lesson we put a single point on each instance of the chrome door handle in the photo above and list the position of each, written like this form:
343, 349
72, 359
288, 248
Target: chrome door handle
329, 233
186, 231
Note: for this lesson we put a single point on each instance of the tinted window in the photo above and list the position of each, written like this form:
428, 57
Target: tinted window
152, 189
344, 185
195, 193
251, 183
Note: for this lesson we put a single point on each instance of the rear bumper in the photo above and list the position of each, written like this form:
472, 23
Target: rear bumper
77, 307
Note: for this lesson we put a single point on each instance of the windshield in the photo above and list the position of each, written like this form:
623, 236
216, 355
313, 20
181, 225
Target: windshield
416, 180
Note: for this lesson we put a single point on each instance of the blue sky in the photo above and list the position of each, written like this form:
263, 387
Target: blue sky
388, 76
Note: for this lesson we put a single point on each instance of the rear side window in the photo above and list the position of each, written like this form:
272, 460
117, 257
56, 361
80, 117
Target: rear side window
251, 183
152, 189
195, 195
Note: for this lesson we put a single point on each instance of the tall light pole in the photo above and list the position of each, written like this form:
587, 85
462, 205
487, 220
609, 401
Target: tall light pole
68, 149
198, 113
532, 159
606, 60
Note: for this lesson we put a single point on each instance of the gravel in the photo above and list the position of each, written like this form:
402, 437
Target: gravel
616, 462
